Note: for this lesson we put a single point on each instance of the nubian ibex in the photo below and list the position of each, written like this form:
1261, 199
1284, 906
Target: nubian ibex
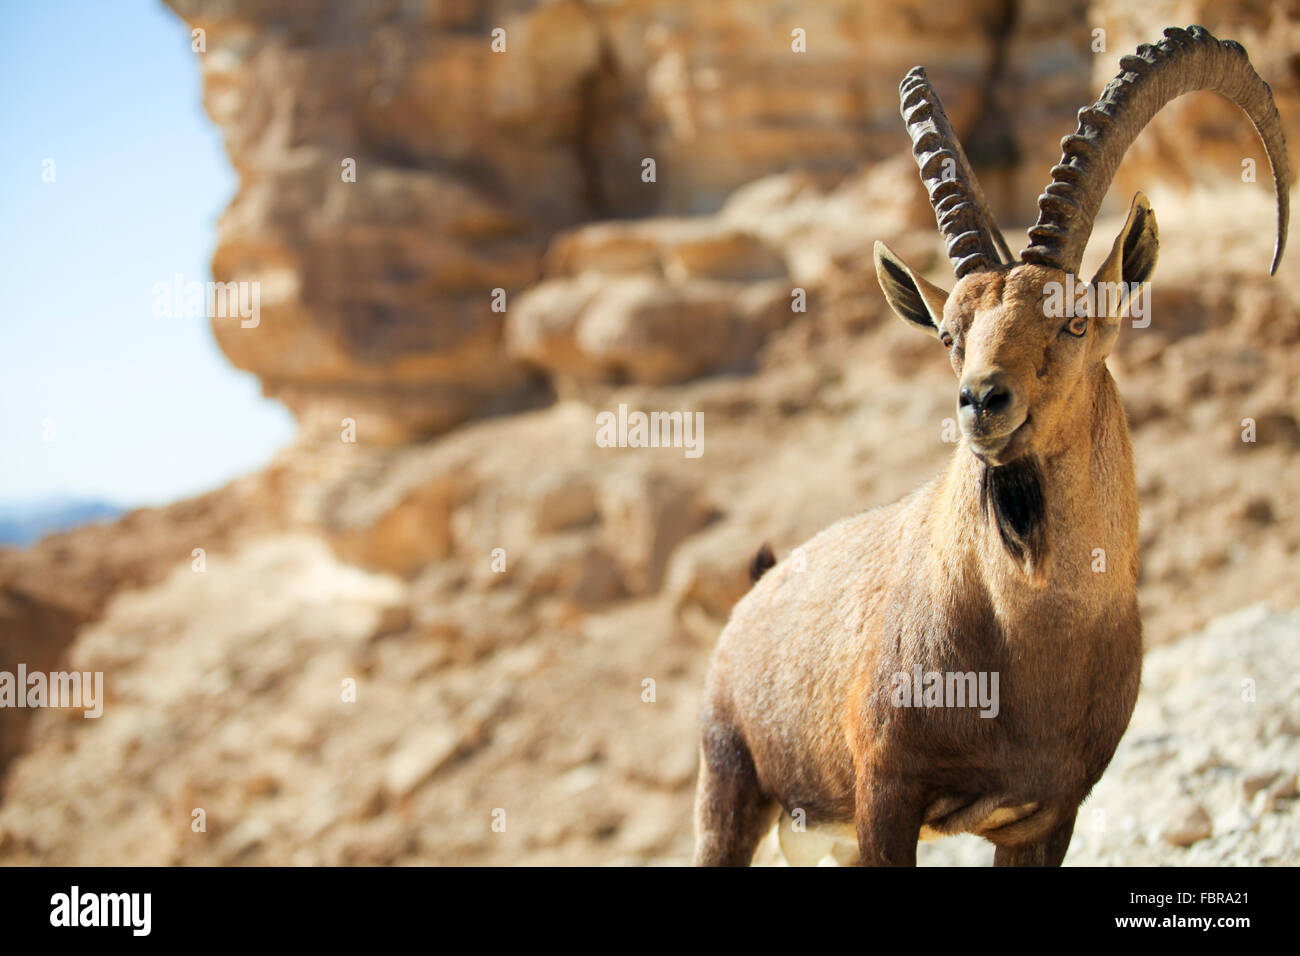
841, 689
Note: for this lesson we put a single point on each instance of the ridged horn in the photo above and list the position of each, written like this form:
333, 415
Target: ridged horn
973, 239
1184, 61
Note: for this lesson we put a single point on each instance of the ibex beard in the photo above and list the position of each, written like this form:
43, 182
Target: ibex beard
989, 568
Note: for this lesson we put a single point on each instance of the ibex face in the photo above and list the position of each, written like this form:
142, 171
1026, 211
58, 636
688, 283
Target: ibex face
1026, 347
1014, 364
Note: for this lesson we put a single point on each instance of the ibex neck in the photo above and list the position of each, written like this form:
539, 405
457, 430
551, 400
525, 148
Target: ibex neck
1061, 521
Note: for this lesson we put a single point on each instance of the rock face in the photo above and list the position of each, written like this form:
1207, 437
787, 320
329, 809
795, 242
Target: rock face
642, 304
400, 163
404, 168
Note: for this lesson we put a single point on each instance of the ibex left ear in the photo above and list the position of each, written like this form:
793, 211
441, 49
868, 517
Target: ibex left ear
1131, 261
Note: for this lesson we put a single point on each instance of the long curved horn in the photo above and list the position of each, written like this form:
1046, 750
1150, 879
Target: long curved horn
1184, 61
974, 241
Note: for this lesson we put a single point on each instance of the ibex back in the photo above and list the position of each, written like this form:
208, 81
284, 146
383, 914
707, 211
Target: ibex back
967, 659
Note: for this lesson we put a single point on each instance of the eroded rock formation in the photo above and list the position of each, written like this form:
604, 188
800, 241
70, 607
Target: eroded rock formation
398, 164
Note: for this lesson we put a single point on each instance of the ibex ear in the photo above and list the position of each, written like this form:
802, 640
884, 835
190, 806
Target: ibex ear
1132, 258
910, 295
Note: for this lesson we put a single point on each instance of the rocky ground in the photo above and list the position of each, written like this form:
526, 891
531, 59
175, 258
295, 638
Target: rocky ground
484, 644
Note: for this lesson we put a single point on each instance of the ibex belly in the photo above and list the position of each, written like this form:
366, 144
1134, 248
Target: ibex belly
836, 844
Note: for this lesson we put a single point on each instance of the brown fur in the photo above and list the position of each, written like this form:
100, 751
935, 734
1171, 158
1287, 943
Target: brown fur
987, 568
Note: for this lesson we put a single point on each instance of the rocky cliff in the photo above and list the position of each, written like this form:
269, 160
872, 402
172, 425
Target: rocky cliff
400, 162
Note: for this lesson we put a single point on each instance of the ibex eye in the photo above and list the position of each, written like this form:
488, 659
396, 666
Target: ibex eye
946, 339
1078, 326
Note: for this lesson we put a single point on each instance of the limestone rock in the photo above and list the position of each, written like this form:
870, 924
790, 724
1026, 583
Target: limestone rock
646, 517
1188, 823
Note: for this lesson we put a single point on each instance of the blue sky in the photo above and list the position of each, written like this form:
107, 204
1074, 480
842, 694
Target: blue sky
145, 410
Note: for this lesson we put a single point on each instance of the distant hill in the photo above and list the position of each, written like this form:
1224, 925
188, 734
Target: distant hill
22, 524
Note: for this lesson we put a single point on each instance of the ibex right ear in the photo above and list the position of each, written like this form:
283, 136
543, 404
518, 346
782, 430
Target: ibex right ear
1132, 258
1118, 283
910, 295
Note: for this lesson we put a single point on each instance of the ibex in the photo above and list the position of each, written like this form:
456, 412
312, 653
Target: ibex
1020, 562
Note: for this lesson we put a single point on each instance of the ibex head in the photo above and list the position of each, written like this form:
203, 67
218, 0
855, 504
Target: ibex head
1024, 343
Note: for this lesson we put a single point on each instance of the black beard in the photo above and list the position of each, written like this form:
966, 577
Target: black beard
1014, 492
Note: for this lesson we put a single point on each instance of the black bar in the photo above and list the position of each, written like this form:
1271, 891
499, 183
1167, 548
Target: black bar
949, 906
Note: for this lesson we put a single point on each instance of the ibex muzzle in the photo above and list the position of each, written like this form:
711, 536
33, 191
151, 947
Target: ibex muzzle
991, 411
1019, 562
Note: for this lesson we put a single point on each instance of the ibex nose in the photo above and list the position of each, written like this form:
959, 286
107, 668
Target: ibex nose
989, 395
